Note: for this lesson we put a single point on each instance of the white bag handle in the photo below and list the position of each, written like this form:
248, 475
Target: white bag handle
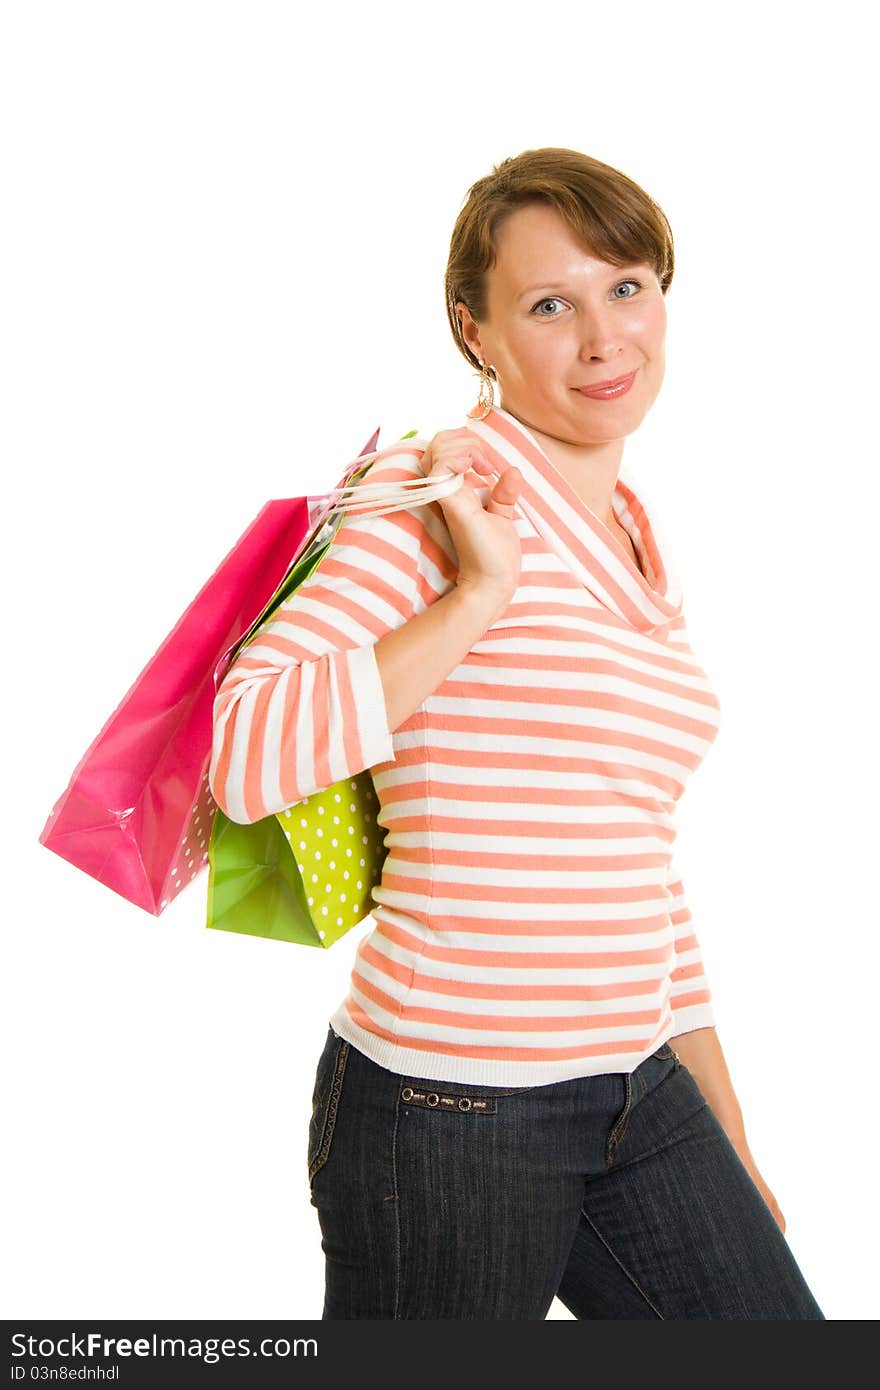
357, 498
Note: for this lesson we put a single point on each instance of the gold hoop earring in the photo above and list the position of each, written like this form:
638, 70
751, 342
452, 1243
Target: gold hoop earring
486, 398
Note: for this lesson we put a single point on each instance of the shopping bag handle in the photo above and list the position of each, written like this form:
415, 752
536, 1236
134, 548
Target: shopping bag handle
358, 498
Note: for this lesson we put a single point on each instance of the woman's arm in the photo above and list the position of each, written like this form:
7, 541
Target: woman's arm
303, 705
415, 659
700, 1051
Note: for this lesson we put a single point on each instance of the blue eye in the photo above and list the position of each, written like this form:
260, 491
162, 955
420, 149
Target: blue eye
554, 300
551, 300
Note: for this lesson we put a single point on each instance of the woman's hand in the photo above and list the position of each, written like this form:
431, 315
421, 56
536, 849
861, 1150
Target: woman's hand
485, 538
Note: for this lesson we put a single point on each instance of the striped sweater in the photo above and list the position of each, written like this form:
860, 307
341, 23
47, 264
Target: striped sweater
529, 925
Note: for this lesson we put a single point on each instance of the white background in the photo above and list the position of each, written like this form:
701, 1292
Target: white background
224, 239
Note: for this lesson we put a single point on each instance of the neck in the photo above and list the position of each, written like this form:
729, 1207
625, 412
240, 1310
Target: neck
591, 469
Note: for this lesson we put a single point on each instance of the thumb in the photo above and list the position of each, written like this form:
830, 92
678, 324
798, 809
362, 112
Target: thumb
505, 492
507, 489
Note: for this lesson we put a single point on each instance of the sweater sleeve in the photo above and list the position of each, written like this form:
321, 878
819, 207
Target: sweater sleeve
691, 995
302, 705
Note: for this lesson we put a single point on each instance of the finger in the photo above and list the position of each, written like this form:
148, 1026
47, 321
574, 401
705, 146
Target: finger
458, 462
507, 488
480, 464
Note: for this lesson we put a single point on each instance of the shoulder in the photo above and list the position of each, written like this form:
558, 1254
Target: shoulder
396, 461
402, 518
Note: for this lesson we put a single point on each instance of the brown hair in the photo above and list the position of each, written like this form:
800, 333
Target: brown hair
610, 215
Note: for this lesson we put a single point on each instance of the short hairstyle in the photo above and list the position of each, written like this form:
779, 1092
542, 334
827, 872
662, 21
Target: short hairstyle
608, 213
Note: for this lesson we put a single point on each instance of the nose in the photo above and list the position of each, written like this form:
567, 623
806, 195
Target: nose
600, 336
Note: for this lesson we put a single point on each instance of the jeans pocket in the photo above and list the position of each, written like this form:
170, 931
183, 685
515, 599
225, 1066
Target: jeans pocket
666, 1053
325, 1100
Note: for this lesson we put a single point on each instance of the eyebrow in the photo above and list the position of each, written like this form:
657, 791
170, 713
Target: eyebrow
560, 285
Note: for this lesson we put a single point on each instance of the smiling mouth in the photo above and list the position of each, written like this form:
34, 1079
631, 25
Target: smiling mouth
607, 390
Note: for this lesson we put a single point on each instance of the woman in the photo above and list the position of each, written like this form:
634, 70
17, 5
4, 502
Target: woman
499, 1115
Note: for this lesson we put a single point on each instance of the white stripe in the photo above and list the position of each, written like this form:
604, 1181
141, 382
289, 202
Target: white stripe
238, 756
270, 788
547, 814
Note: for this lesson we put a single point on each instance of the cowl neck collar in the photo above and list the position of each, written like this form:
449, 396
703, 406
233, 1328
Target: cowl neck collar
583, 542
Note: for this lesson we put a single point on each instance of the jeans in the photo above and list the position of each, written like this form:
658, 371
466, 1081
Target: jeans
619, 1194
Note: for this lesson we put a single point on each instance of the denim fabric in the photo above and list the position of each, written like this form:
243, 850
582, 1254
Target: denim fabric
619, 1194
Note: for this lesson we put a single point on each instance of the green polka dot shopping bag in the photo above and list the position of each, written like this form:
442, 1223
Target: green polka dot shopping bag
304, 875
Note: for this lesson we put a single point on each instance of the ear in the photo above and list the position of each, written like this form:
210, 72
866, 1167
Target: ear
469, 330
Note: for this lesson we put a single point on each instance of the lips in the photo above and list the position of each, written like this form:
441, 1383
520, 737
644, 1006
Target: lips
605, 385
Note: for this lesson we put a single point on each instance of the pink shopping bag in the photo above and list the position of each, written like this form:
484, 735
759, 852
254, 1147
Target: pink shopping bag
137, 812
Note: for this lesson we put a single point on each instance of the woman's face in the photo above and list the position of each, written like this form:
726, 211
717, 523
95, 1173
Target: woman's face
559, 319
